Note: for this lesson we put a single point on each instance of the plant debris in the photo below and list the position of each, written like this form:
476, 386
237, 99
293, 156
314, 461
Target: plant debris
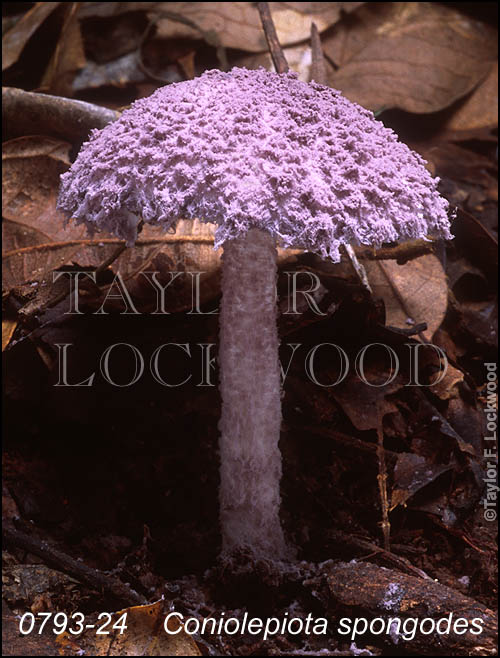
110, 493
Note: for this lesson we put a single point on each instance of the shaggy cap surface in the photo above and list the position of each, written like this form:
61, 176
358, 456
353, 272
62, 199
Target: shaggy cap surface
255, 149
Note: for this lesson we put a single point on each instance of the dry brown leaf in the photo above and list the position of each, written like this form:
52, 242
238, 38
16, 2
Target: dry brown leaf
8, 328
417, 56
478, 111
33, 262
232, 24
446, 388
68, 57
411, 474
17, 236
18, 267
144, 636
18, 36
31, 170
238, 25
413, 293
366, 405
189, 249
449, 160
15, 644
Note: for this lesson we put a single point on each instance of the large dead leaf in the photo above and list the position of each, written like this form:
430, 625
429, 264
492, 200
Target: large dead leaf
447, 387
478, 111
416, 56
68, 57
144, 636
231, 24
411, 474
413, 293
31, 170
18, 36
22, 260
31, 255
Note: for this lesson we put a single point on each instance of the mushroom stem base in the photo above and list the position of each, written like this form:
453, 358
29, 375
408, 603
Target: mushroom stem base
251, 398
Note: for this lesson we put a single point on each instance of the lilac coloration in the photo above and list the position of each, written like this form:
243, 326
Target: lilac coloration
255, 149
393, 597
251, 393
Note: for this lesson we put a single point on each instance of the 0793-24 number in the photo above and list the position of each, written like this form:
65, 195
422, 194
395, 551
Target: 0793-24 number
75, 624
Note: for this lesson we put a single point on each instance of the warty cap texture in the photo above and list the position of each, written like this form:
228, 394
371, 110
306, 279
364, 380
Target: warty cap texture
255, 149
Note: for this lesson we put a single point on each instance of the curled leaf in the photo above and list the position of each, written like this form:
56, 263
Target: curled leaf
417, 56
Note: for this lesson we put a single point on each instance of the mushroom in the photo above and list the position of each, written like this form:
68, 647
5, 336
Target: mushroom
272, 160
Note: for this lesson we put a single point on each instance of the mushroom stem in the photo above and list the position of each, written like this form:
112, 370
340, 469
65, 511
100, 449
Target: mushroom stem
251, 398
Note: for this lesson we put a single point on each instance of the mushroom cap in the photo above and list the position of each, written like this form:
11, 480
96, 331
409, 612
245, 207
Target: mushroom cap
258, 149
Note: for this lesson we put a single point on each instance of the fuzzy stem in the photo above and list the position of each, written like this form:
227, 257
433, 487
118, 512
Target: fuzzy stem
251, 398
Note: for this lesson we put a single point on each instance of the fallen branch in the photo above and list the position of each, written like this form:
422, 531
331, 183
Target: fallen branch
362, 589
62, 562
30, 113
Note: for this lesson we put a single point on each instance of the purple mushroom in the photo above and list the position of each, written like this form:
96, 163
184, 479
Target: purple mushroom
272, 160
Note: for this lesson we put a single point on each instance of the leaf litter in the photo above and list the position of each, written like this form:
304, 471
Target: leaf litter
432, 437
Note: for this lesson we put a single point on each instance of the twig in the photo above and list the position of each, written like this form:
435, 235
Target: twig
116, 254
358, 268
401, 252
349, 442
89, 242
62, 562
318, 66
275, 49
29, 113
382, 487
366, 547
